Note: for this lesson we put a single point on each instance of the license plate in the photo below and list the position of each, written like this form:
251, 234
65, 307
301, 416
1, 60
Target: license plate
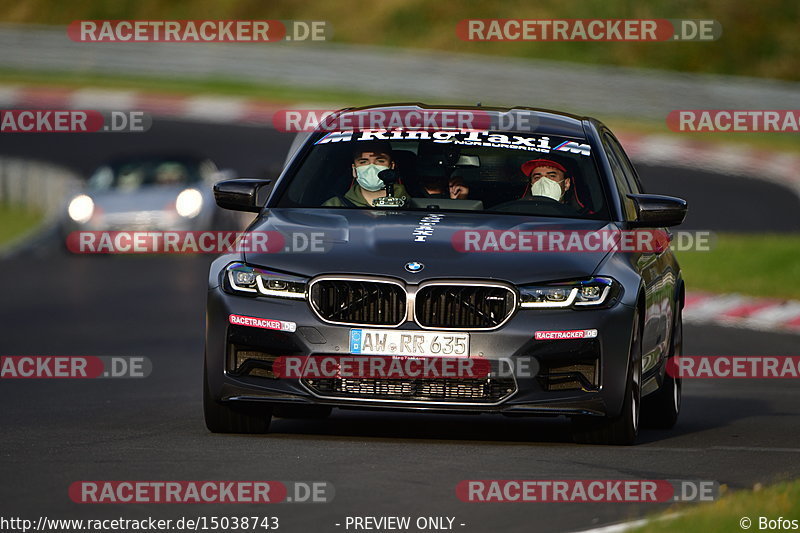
384, 342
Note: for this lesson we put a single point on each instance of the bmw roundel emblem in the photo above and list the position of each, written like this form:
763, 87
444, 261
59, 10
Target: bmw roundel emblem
414, 266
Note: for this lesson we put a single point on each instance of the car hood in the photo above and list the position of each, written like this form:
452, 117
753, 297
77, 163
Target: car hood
383, 242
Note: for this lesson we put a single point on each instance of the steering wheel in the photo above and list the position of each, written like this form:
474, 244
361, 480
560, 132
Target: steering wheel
533, 203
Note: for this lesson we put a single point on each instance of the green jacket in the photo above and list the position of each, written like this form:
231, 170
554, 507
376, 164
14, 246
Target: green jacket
354, 195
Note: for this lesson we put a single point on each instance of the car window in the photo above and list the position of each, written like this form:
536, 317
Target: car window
461, 170
129, 176
621, 179
627, 167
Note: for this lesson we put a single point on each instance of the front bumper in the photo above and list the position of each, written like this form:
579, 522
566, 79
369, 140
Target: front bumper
575, 377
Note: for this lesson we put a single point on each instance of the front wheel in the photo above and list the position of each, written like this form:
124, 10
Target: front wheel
622, 429
661, 409
222, 418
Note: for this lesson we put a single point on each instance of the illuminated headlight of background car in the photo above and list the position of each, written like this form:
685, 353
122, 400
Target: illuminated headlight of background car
595, 292
247, 280
189, 203
81, 208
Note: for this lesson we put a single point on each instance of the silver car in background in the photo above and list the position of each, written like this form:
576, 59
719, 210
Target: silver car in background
147, 193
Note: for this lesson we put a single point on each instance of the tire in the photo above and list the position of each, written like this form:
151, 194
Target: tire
221, 418
308, 412
620, 430
660, 410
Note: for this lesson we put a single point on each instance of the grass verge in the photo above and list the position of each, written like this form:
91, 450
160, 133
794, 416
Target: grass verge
15, 222
733, 510
759, 265
192, 87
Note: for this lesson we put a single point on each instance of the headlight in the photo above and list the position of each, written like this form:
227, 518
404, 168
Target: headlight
593, 292
81, 208
243, 278
189, 203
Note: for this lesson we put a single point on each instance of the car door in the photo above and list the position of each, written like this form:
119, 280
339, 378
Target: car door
654, 266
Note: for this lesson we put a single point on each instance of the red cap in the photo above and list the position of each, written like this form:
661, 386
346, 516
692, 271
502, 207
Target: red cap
528, 166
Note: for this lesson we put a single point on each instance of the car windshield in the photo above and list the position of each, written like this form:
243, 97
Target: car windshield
134, 175
498, 172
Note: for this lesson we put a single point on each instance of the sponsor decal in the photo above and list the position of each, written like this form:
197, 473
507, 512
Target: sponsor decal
573, 148
567, 334
425, 228
486, 139
263, 323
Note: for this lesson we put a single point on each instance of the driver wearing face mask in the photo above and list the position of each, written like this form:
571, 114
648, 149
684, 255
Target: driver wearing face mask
369, 159
548, 179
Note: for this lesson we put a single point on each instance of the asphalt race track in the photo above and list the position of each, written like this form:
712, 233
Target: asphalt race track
56, 432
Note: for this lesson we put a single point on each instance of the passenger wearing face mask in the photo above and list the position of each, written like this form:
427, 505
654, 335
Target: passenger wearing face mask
369, 159
548, 179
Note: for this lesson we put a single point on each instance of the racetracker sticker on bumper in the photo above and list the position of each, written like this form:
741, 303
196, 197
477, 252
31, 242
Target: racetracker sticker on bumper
569, 334
263, 323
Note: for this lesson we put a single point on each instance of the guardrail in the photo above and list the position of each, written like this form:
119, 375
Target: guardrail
36, 185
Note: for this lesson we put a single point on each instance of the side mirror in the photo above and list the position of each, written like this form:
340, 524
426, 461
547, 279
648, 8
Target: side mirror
243, 194
657, 211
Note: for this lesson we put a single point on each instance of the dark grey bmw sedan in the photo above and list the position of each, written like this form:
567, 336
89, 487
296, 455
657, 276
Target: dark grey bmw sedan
509, 264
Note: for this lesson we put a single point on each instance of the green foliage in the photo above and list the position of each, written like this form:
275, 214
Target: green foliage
759, 265
759, 38
16, 221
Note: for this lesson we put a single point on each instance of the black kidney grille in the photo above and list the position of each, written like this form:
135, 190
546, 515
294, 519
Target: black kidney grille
463, 306
359, 302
